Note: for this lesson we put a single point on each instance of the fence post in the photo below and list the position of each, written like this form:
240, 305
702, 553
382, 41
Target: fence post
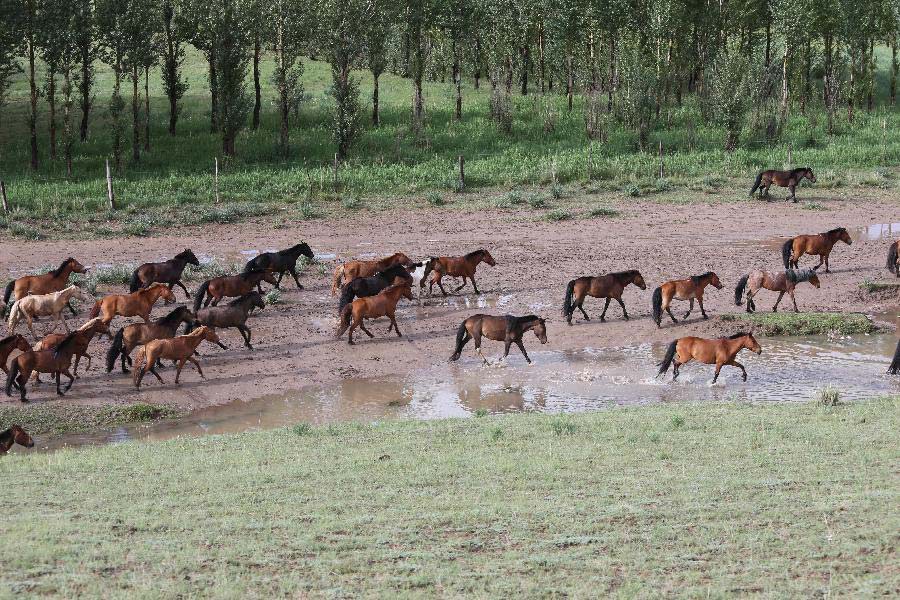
462, 173
662, 168
216, 177
335, 172
3, 195
110, 195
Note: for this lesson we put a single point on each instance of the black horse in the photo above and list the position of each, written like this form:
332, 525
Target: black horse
234, 314
163, 272
362, 287
281, 262
894, 369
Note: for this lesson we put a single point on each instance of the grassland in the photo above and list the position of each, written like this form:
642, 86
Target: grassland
710, 500
41, 419
806, 323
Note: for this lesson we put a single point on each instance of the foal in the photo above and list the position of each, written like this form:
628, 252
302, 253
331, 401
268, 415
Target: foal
682, 289
14, 435
180, 349
817, 245
383, 304
168, 272
784, 282
455, 266
507, 329
45, 305
719, 352
608, 286
135, 304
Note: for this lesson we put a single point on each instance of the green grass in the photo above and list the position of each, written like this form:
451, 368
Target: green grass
711, 500
873, 287
805, 323
39, 419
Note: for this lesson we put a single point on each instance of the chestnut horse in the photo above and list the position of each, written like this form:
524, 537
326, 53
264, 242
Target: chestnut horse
788, 179
280, 262
507, 329
719, 352
53, 281
87, 333
366, 268
455, 266
8, 344
784, 282
682, 289
135, 304
382, 304
893, 258
180, 349
609, 286
55, 361
164, 272
817, 245
14, 435
232, 286
136, 334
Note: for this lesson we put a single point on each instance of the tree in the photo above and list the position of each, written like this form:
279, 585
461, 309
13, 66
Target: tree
419, 16
288, 24
232, 58
30, 25
731, 95
11, 36
84, 29
140, 24
112, 31
380, 28
175, 34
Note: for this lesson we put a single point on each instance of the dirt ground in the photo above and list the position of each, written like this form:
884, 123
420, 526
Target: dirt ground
294, 341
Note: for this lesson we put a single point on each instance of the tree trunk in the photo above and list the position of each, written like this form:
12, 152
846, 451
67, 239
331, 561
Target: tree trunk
85, 87
542, 58
526, 64
257, 102
870, 67
67, 119
894, 68
768, 61
146, 109
135, 115
418, 100
284, 105
784, 85
376, 119
117, 126
457, 81
826, 79
51, 105
612, 74
807, 76
852, 85
214, 93
32, 117
570, 82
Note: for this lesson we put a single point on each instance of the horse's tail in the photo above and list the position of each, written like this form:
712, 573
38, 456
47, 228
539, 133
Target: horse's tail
344, 323
786, 249
135, 283
739, 290
14, 311
894, 369
892, 258
667, 359
11, 377
657, 306
460, 337
201, 292
567, 301
336, 282
347, 296
7, 293
95, 312
115, 349
756, 183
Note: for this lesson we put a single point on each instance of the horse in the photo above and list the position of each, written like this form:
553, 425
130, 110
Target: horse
682, 289
784, 282
383, 304
136, 334
233, 315
280, 262
10, 343
789, 179
180, 349
135, 304
365, 268
51, 304
455, 266
53, 281
719, 351
163, 272
894, 369
362, 287
14, 435
609, 286
55, 361
820, 244
232, 286
87, 333
893, 258
507, 329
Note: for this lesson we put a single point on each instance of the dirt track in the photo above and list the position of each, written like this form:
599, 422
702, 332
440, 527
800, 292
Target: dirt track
535, 260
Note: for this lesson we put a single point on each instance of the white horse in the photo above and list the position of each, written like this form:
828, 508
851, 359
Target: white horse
44, 305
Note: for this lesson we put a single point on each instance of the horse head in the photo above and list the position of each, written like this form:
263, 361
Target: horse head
487, 258
639, 281
21, 437
188, 256
809, 174
714, 281
751, 344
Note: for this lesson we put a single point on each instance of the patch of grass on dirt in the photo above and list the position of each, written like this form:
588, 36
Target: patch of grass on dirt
40, 419
603, 211
805, 323
872, 287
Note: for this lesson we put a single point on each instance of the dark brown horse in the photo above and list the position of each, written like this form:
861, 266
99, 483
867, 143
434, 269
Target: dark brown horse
10, 343
608, 286
14, 435
383, 304
55, 361
817, 245
783, 282
719, 352
366, 268
362, 287
507, 329
233, 315
168, 272
893, 258
281, 262
232, 286
682, 289
455, 266
86, 334
788, 179
53, 281
131, 336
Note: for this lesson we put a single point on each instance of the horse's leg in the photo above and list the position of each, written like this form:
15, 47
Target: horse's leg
88, 367
749, 301
437, 280
31, 325
735, 363
153, 370
474, 284
462, 286
350, 333
780, 296
180, 367
75, 366
71, 308
293, 272
794, 300
245, 332
181, 285
363, 327
827, 268
605, 306
702, 310
196, 364
71, 379
59, 391
394, 324
622, 304
793, 196
671, 316
477, 338
690, 309
506, 344
522, 348
215, 301
822, 261
718, 368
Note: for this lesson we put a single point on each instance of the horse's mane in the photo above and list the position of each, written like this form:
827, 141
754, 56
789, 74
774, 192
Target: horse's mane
737, 335
475, 253
800, 170
835, 231
64, 343
58, 271
697, 279
523, 320
172, 317
90, 323
392, 269
799, 275
185, 253
247, 274
293, 248
623, 275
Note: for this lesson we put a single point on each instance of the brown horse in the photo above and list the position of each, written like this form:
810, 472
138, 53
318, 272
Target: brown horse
233, 315
366, 268
719, 352
14, 435
168, 272
682, 289
232, 286
10, 343
86, 334
180, 349
784, 283
507, 329
131, 336
817, 245
135, 304
455, 266
788, 179
608, 286
55, 361
53, 281
382, 304
893, 258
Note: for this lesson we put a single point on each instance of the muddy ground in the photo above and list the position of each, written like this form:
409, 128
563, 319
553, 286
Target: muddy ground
294, 341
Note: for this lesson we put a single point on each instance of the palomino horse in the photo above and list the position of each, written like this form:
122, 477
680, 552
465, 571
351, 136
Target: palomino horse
682, 289
788, 179
168, 272
86, 334
817, 245
180, 349
135, 304
14, 435
53, 281
232, 286
784, 282
719, 352
280, 262
362, 287
383, 304
365, 268
233, 315
455, 266
893, 258
10, 343
42, 306
507, 329
608, 286
136, 334
55, 361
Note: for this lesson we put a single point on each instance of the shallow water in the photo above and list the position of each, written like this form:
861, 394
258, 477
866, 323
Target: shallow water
789, 370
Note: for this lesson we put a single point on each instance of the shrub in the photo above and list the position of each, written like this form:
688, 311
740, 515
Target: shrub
558, 215
434, 199
828, 396
603, 211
